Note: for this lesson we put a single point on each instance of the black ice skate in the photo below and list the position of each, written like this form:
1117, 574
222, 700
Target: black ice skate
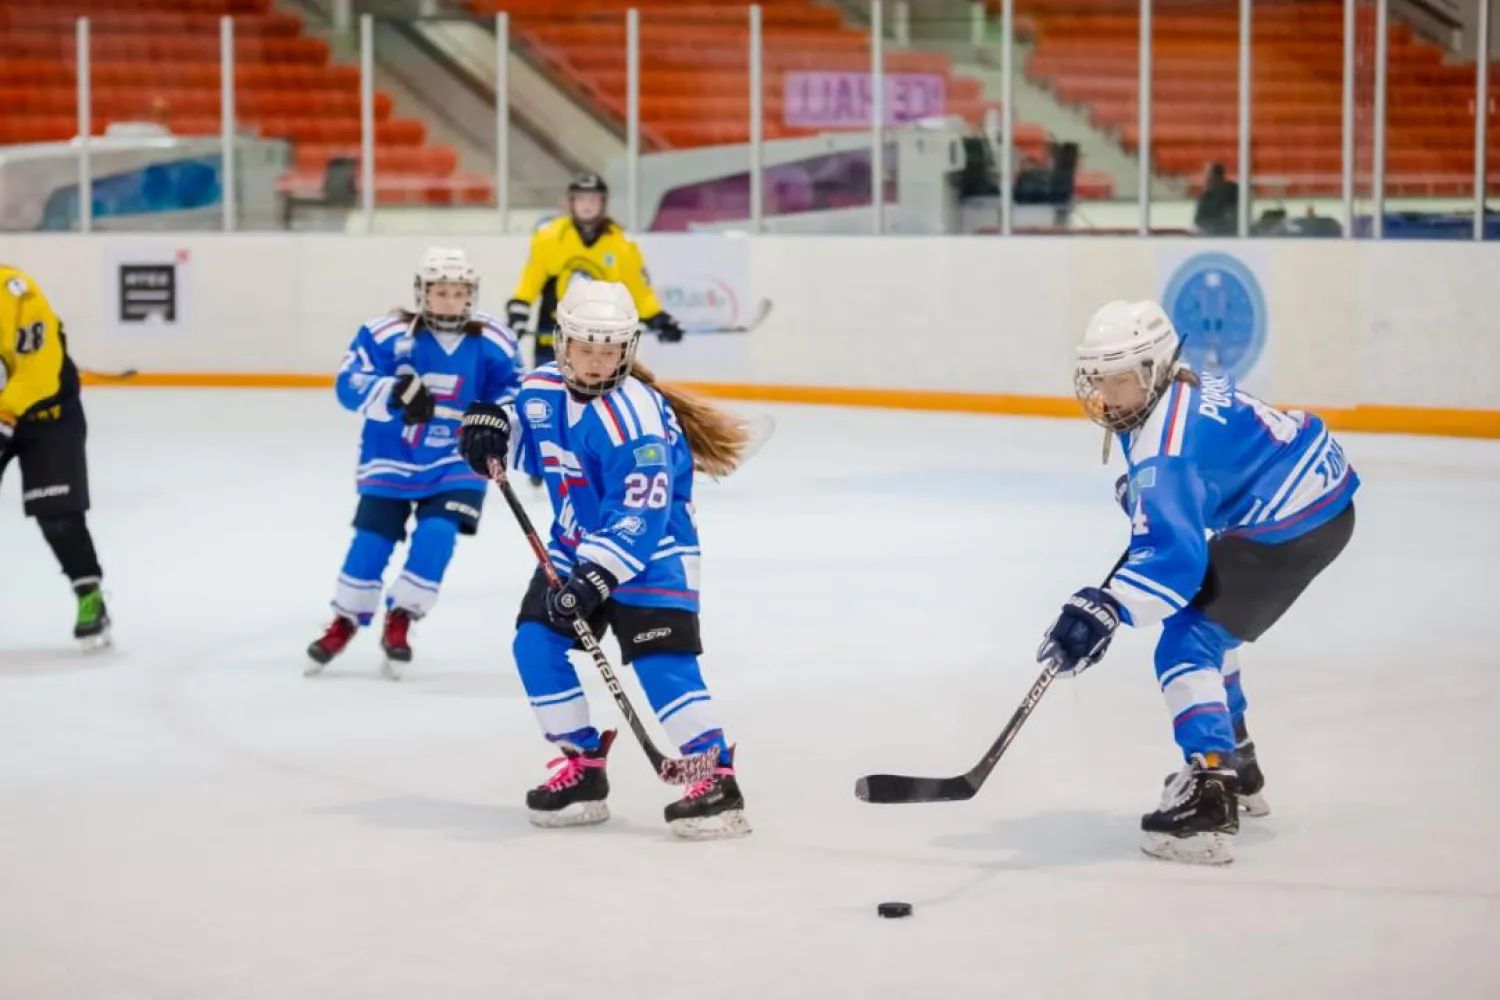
394, 640
91, 627
330, 644
575, 794
710, 810
1199, 815
1247, 768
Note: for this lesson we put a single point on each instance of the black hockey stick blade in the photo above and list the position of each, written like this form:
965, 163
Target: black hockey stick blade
119, 376
894, 789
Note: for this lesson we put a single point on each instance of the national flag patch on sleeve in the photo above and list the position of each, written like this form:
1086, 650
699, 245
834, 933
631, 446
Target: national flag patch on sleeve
651, 454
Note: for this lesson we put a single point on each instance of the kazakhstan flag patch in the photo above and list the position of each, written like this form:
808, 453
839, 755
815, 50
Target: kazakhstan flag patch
651, 454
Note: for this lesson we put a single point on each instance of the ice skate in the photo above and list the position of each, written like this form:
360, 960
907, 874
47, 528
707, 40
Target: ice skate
1198, 817
1252, 782
575, 794
330, 644
393, 639
91, 628
710, 810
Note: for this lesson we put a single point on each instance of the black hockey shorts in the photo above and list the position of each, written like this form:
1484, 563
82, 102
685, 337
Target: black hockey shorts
54, 467
640, 631
1250, 585
387, 516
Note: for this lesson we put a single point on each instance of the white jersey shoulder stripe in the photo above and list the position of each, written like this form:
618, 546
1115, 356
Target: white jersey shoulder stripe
645, 406
1147, 440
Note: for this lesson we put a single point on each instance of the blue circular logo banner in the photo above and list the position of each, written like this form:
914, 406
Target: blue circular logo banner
1219, 310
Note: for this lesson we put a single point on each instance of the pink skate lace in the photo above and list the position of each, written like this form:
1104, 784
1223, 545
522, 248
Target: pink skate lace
571, 772
703, 787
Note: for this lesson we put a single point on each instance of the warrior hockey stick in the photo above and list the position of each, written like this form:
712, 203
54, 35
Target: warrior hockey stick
672, 770
893, 789
757, 317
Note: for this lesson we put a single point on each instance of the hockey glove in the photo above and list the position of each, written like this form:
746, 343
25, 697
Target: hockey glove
484, 434
1122, 493
1081, 634
518, 316
410, 398
584, 593
667, 329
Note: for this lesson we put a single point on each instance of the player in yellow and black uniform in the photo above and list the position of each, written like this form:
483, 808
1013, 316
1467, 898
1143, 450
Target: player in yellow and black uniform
42, 429
585, 244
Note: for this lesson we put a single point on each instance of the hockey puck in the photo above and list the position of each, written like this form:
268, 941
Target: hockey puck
894, 910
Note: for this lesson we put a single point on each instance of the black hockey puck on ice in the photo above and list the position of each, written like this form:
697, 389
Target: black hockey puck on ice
894, 909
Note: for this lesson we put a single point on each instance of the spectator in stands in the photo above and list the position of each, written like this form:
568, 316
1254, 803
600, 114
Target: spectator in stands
1218, 210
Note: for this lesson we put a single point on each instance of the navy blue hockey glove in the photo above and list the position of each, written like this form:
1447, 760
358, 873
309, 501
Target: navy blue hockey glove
518, 316
667, 329
584, 593
1082, 632
484, 434
1122, 493
410, 398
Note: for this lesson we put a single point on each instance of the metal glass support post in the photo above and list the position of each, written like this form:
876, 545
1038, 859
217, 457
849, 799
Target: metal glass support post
1382, 57
1245, 170
633, 118
1350, 31
502, 119
228, 186
1143, 100
1481, 118
1007, 117
85, 130
757, 124
877, 115
976, 23
367, 119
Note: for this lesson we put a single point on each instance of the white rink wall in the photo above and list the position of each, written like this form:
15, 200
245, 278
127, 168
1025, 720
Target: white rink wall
1348, 324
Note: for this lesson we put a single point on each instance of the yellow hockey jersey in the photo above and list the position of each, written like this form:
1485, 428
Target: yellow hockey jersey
558, 253
36, 378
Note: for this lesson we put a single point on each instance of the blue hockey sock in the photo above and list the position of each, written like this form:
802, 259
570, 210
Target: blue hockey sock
427, 558
552, 685
357, 594
1233, 689
674, 686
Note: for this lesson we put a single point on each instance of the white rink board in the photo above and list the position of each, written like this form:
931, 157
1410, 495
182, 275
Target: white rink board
1349, 322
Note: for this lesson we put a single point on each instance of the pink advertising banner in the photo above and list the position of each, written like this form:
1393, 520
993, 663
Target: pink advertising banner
844, 100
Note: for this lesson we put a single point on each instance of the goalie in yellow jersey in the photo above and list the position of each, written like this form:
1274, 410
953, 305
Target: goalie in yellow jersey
42, 430
586, 244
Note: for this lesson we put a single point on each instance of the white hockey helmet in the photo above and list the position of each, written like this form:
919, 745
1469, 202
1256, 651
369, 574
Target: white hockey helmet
597, 312
1125, 338
439, 265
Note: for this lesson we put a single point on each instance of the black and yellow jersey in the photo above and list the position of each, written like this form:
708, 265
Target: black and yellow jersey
37, 380
558, 252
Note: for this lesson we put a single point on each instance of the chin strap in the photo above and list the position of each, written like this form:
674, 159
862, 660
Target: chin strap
1104, 455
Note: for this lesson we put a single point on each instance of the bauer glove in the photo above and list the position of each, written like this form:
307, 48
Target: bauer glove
484, 434
584, 593
518, 316
667, 329
1082, 632
410, 398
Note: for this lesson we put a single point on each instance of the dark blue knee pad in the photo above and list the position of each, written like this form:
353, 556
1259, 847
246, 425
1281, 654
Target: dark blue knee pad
462, 507
383, 516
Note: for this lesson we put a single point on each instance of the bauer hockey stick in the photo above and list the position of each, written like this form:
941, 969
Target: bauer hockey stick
901, 789
672, 770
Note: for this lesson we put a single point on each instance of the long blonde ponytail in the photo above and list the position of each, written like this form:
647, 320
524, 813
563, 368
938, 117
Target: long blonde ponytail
717, 438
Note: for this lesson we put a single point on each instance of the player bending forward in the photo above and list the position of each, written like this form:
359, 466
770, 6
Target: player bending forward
1234, 508
618, 452
398, 370
43, 429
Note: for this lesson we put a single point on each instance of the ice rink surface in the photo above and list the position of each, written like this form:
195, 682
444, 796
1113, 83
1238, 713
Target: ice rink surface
188, 817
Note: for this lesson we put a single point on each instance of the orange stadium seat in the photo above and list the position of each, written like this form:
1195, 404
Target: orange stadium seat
158, 60
1086, 53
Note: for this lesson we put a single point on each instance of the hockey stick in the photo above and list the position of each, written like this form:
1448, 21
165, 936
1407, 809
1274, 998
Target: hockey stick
757, 317
894, 789
672, 770
119, 376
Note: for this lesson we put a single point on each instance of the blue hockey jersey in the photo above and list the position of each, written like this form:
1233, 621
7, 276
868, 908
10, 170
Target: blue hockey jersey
1216, 461
422, 460
620, 476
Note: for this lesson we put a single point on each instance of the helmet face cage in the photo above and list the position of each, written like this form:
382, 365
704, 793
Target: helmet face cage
1086, 384
442, 269
585, 332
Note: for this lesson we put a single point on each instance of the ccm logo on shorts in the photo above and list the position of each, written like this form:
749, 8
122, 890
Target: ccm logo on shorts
656, 633
46, 493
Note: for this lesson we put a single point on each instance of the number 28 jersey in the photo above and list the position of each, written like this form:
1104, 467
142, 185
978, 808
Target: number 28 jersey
620, 476
1215, 461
